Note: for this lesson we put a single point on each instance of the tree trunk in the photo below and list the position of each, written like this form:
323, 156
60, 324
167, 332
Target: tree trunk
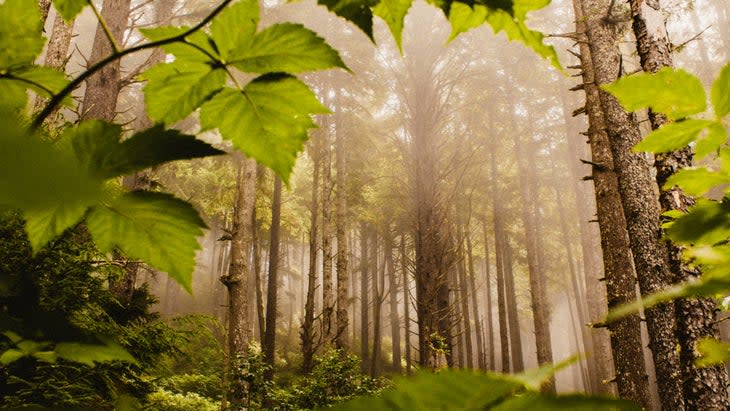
394, 317
515, 338
308, 332
406, 302
378, 287
103, 87
630, 376
341, 337
269, 344
488, 289
474, 301
464, 297
56, 55
364, 299
499, 257
702, 387
236, 281
328, 326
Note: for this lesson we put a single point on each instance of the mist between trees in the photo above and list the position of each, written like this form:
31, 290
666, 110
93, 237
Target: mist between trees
465, 204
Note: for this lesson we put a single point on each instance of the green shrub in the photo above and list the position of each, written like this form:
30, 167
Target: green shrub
209, 386
163, 400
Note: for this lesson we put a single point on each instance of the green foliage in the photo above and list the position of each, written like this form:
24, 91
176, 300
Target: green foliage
209, 386
712, 352
69, 9
163, 400
721, 93
393, 12
20, 33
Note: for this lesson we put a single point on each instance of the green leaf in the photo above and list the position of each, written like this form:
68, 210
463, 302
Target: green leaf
97, 146
721, 92
45, 356
235, 27
707, 223
712, 352
156, 228
21, 40
69, 9
673, 136
673, 92
45, 81
517, 30
47, 182
576, 402
286, 47
715, 137
697, 181
356, 11
534, 378
176, 89
198, 46
464, 18
92, 353
11, 355
268, 120
393, 12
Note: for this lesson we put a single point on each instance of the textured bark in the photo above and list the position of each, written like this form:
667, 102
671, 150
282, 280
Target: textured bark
703, 388
364, 299
258, 283
343, 302
236, 282
308, 333
631, 379
515, 338
269, 340
103, 87
474, 302
394, 317
56, 56
328, 305
45, 7
378, 287
455, 356
498, 240
487, 279
464, 299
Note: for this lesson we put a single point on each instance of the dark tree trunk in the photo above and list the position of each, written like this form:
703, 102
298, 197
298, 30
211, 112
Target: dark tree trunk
464, 297
406, 302
515, 338
475, 302
269, 341
364, 298
488, 281
378, 287
341, 336
308, 332
328, 305
499, 257
394, 317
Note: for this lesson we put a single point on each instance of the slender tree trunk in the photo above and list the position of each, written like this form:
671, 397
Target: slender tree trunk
464, 293
501, 291
257, 280
488, 281
474, 301
515, 338
236, 281
702, 387
394, 317
308, 332
364, 298
631, 379
378, 287
328, 325
273, 287
103, 87
341, 337
406, 302
455, 356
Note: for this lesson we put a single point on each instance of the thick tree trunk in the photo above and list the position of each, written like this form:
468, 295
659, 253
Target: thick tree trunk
269, 340
56, 55
103, 87
630, 375
364, 299
236, 281
308, 332
702, 387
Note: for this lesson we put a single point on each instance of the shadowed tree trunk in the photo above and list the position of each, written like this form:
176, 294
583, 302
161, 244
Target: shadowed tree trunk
499, 257
464, 297
474, 301
269, 340
630, 375
515, 338
341, 337
488, 281
328, 325
364, 299
702, 387
406, 302
394, 317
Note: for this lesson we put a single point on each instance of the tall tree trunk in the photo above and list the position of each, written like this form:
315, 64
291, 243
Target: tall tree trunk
341, 337
394, 317
236, 281
328, 305
258, 282
273, 287
702, 387
455, 356
56, 55
464, 297
641, 205
488, 289
515, 337
378, 287
474, 300
630, 376
406, 302
103, 87
364, 299
308, 332
499, 257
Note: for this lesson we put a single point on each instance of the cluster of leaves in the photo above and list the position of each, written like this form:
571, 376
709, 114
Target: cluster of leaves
68, 341
472, 390
704, 230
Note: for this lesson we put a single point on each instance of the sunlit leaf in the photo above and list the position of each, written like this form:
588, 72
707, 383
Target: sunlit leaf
464, 18
156, 228
393, 12
197, 47
11, 355
268, 120
673, 136
673, 92
69, 9
721, 92
21, 40
92, 353
697, 181
575, 402
708, 222
174, 90
534, 378
712, 352
715, 137
356, 11
286, 47
235, 26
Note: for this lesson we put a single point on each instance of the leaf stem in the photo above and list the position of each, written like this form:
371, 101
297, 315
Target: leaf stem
25, 80
105, 27
57, 98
